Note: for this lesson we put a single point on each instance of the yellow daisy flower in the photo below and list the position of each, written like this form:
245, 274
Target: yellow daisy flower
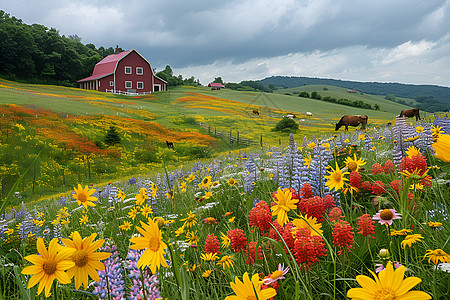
190, 221
437, 256
209, 256
250, 289
206, 182
434, 224
87, 261
132, 213
442, 147
411, 239
310, 223
336, 178
225, 241
192, 238
146, 209
412, 151
307, 161
207, 273
283, 204
49, 265
226, 261
125, 226
84, 196
84, 219
354, 164
142, 196
231, 182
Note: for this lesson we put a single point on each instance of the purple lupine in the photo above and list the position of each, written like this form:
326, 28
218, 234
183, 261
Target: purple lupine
134, 273
111, 279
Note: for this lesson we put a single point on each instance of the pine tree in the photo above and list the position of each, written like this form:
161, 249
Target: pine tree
112, 136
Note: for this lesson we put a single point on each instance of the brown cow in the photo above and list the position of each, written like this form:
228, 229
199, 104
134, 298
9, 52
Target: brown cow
352, 121
256, 112
409, 113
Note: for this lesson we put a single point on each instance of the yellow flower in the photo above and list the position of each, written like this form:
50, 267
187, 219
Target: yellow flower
437, 255
354, 164
231, 182
326, 145
309, 223
389, 284
336, 178
141, 197
170, 194
225, 241
420, 129
153, 255
145, 210
226, 261
207, 273
434, 224
153, 189
250, 289
436, 130
311, 145
190, 221
121, 194
132, 213
84, 196
179, 231
48, 265
361, 137
269, 153
40, 215
416, 186
442, 147
87, 261
270, 176
307, 161
413, 151
209, 256
231, 220
411, 239
84, 219
125, 226
183, 186
192, 238
191, 177
283, 204
400, 232
208, 195
206, 182
9, 231
412, 139
347, 141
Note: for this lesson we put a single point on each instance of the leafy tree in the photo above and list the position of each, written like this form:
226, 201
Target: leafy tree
218, 80
286, 125
112, 136
390, 97
316, 95
376, 107
304, 94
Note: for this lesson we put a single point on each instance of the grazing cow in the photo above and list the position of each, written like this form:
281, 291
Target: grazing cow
169, 144
409, 113
352, 121
290, 116
256, 112
309, 114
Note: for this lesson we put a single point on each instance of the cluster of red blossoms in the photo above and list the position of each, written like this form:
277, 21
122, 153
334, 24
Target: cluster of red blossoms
238, 239
308, 249
251, 253
260, 216
314, 206
212, 244
343, 235
366, 225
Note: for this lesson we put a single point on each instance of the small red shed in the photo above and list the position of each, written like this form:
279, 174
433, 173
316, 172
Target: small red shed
215, 86
126, 72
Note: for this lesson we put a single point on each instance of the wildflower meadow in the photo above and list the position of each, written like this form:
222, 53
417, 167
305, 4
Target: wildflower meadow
355, 215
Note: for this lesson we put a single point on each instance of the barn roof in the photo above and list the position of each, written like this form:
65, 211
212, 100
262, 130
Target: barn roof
215, 84
106, 66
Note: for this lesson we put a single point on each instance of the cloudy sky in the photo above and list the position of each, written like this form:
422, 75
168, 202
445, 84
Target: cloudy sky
405, 41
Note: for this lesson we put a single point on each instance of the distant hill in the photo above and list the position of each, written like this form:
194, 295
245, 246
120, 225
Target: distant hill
431, 98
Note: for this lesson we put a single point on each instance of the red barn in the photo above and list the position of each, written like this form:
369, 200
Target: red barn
125, 72
215, 86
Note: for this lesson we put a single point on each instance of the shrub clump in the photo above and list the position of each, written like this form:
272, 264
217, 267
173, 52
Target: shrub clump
286, 125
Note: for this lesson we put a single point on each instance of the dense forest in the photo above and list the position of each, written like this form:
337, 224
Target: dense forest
430, 98
37, 54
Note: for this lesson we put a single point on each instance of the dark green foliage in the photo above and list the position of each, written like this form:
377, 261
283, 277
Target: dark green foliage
315, 95
440, 94
167, 75
233, 86
376, 107
325, 89
218, 80
112, 136
146, 156
286, 125
390, 97
304, 94
343, 101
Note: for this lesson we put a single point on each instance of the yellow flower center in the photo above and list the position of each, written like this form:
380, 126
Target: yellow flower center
386, 214
82, 197
154, 244
353, 166
384, 294
276, 274
336, 176
80, 258
251, 297
49, 267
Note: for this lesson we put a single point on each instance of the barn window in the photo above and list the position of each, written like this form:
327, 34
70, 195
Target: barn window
127, 70
139, 71
111, 83
140, 85
128, 84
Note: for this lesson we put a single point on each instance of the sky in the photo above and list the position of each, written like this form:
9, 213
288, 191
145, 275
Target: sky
406, 41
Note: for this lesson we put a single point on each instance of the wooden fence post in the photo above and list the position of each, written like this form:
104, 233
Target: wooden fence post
215, 129
237, 138
260, 142
231, 141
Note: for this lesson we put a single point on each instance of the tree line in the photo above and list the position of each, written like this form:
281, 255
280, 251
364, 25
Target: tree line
37, 54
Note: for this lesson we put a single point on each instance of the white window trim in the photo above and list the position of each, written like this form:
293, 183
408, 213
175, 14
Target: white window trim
137, 85
131, 84
142, 71
111, 83
125, 70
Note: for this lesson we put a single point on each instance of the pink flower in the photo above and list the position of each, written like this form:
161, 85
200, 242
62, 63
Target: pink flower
381, 267
279, 274
386, 216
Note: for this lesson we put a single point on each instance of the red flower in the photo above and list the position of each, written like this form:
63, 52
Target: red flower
366, 186
308, 249
313, 207
378, 188
306, 191
343, 235
417, 162
355, 179
260, 216
294, 194
251, 253
272, 232
377, 169
396, 185
335, 214
388, 167
288, 237
212, 244
366, 225
238, 239
329, 202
